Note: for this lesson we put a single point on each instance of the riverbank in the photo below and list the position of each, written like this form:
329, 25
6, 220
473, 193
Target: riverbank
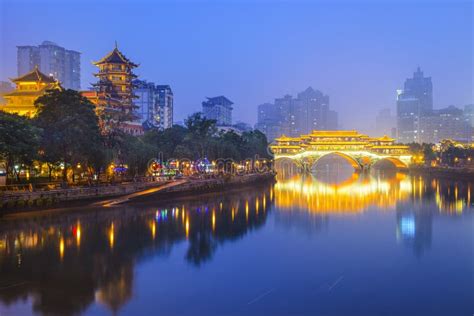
444, 172
203, 186
11, 202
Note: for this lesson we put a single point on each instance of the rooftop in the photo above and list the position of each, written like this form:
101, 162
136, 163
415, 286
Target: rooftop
115, 57
34, 75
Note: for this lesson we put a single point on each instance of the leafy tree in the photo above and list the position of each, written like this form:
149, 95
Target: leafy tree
19, 141
70, 128
200, 134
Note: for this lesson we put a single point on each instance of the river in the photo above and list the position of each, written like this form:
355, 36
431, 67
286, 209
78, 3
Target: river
324, 244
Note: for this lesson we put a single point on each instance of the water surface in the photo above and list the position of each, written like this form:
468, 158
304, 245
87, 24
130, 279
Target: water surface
359, 244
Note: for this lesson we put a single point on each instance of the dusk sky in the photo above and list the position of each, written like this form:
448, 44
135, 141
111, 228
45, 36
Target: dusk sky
357, 52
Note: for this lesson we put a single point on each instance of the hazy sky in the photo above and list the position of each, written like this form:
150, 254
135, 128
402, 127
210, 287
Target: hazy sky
358, 52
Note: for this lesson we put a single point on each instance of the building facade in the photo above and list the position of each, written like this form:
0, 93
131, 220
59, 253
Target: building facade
218, 109
294, 116
113, 94
53, 60
413, 102
165, 104
28, 88
145, 101
385, 123
447, 123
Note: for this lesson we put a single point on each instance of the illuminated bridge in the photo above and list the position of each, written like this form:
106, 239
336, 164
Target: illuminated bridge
361, 151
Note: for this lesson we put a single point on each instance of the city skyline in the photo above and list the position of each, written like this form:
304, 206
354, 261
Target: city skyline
247, 67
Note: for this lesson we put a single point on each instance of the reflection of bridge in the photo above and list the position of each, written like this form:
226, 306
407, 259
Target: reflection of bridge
361, 151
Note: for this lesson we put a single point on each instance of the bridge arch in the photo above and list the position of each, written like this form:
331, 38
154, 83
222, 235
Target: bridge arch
288, 166
351, 160
397, 163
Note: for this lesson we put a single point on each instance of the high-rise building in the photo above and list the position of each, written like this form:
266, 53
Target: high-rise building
53, 60
447, 123
312, 108
145, 101
164, 100
218, 109
269, 121
295, 116
413, 102
385, 123
153, 105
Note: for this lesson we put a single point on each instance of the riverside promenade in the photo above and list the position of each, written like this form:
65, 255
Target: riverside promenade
113, 194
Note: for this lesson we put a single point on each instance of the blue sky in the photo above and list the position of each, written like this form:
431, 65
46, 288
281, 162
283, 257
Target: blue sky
358, 52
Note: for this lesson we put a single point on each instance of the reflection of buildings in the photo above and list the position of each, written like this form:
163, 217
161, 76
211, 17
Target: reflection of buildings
414, 227
359, 192
70, 261
356, 194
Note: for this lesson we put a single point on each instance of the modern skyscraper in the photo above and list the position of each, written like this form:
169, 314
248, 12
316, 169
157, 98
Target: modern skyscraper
165, 104
415, 101
311, 108
295, 116
385, 123
153, 105
269, 121
145, 101
447, 123
219, 109
53, 60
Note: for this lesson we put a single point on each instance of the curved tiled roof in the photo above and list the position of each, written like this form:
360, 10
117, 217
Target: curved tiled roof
115, 57
34, 75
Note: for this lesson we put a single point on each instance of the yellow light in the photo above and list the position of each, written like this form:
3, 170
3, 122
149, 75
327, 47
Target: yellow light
78, 235
246, 210
61, 248
153, 229
187, 228
213, 221
111, 235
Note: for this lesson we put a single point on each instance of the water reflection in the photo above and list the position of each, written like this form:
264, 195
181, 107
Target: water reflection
342, 192
64, 262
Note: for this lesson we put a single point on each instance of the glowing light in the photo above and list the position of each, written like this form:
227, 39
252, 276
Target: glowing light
61, 247
111, 235
187, 228
78, 235
213, 221
247, 210
153, 229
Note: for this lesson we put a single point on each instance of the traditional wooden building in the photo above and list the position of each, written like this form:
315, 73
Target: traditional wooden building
113, 93
28, 88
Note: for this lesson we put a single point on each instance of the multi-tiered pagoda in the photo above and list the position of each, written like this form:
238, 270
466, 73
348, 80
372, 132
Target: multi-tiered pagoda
113, 93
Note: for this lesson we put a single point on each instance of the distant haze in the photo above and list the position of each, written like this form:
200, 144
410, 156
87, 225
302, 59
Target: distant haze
357, 52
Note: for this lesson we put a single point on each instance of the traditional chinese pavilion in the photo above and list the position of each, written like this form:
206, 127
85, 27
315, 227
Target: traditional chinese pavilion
29, 87
113, 93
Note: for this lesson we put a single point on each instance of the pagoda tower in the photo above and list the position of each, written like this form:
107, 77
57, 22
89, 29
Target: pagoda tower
114, 92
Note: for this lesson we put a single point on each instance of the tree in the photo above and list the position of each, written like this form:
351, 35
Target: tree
70, 127
19, 141
200, 133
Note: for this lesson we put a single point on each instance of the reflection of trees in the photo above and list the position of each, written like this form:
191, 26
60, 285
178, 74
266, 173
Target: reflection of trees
64, 263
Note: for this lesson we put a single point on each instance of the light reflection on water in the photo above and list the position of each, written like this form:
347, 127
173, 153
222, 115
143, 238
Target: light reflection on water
90, 260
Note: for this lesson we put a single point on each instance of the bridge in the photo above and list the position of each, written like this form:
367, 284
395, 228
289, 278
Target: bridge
361, 151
